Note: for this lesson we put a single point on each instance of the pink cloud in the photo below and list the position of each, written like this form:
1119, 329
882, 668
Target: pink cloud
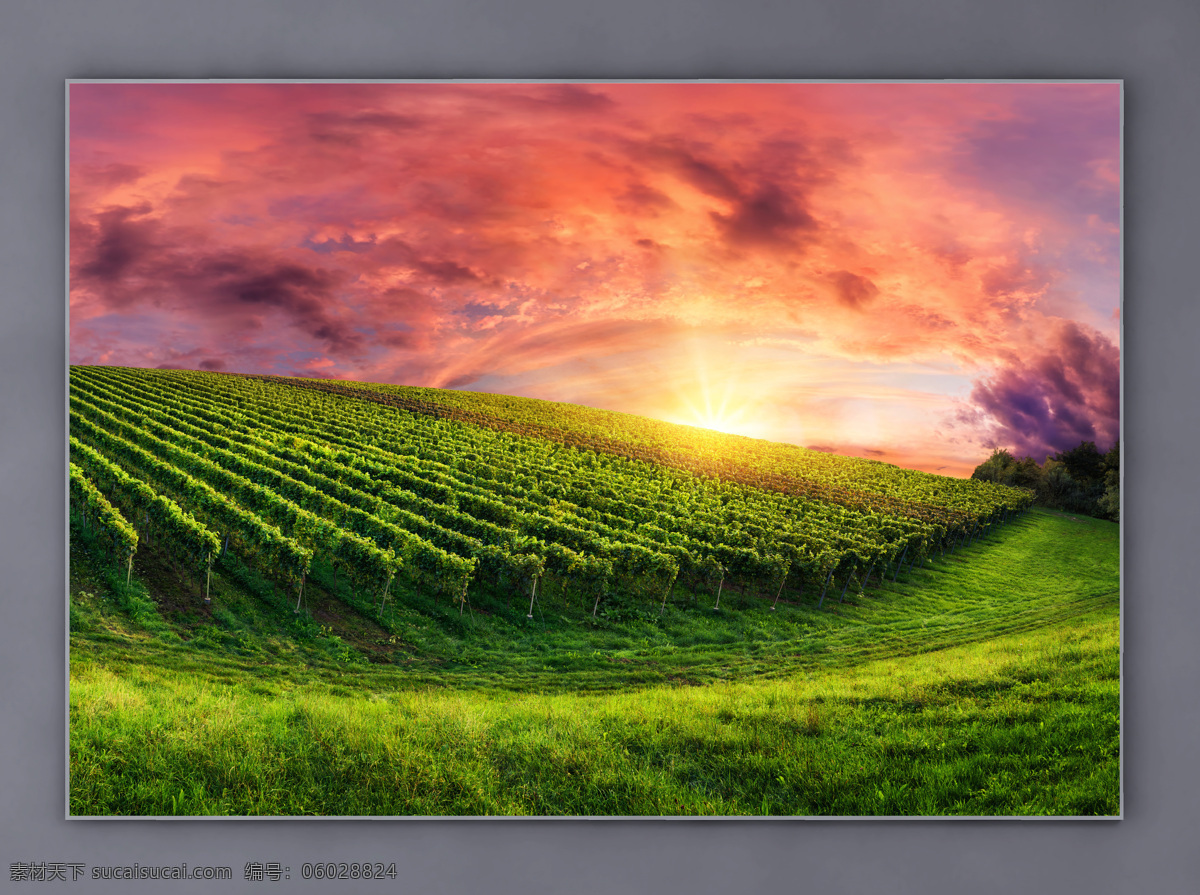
454, 235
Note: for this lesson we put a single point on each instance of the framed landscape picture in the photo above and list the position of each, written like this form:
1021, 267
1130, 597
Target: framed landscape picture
609, 449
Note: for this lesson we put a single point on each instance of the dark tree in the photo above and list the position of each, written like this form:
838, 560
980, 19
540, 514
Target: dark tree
1081, 480
1110, 502
1084, 463
995, 468
1026, 473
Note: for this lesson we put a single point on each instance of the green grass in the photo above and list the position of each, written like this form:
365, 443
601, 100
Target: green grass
988, 684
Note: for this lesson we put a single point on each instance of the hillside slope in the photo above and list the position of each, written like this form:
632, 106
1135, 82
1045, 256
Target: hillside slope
386, 487
295, 598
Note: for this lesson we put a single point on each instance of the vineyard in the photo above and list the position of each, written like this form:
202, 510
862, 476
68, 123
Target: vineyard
460, 496
297, 597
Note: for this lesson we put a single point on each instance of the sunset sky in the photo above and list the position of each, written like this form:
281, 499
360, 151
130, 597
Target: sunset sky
912, 272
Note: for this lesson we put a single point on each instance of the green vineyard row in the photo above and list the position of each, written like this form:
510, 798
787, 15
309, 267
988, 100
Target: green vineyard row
381, 482
674, 507
106, 521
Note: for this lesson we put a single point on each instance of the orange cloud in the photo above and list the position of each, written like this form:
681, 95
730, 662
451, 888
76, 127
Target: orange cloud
577, 241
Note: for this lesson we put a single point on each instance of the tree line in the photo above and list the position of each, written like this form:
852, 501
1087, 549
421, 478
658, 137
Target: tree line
1081, 480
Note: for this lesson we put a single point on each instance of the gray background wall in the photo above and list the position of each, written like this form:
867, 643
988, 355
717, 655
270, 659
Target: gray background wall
1151, 44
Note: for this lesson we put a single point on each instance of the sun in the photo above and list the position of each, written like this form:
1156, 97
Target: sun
719, 402
722, 418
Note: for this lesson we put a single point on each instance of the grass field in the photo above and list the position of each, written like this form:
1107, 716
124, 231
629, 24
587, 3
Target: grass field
987, 684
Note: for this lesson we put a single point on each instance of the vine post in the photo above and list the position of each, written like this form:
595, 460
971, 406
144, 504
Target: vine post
532, 596
383, 596
778, 592
720, 585
825, 588
300, 595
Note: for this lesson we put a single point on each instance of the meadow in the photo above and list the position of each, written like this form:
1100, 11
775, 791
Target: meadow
983, 682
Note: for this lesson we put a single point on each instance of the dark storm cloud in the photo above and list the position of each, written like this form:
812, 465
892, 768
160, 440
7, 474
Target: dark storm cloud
114, 243
130, 260
444, 271
1068, 394
685, 163
643, 198
569, 98
766, 190
852, 290
303, 294
769, 217
441, 271
348, 129
404, 340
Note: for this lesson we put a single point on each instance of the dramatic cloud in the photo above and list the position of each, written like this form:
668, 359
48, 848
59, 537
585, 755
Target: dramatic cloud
852, 290
130, 262
909, 272
769, 217
118, 241
1066, 395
